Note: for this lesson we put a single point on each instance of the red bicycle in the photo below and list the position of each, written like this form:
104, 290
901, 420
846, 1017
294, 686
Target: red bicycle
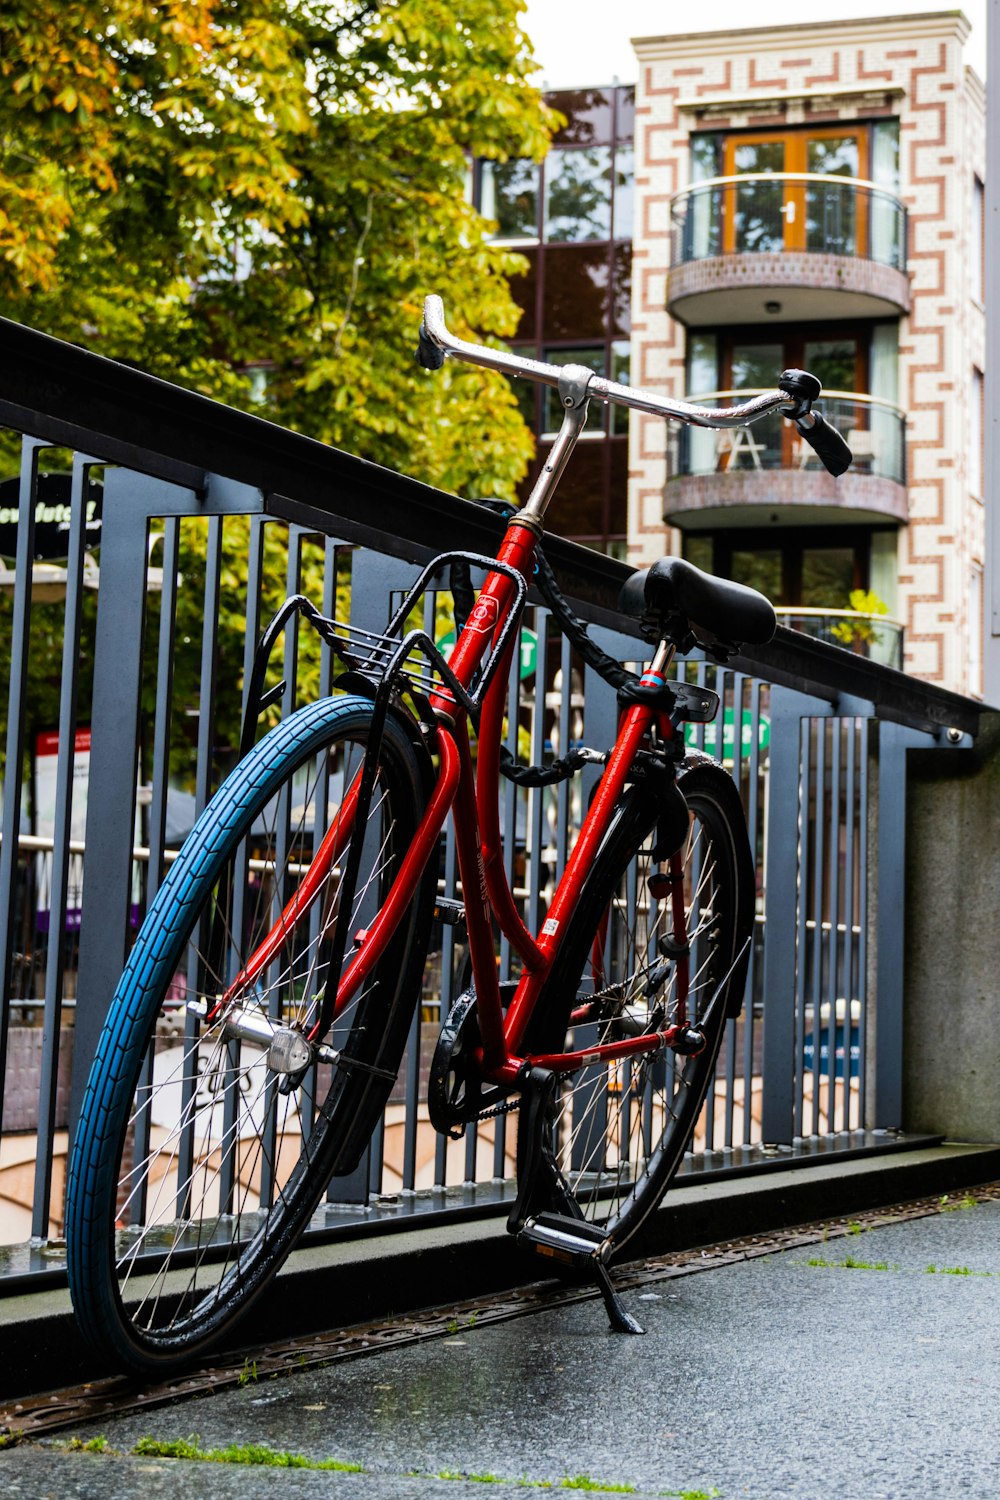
259, 1025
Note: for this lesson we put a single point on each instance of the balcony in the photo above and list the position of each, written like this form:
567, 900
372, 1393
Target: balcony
876, 637
745, 475
792, 246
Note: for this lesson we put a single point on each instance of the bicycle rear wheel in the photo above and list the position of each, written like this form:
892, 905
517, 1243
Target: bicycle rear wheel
202, 1154
620, 1128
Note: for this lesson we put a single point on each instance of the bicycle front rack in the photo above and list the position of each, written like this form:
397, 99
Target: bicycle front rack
385, 663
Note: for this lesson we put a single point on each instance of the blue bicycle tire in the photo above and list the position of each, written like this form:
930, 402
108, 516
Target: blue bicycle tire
216, 1112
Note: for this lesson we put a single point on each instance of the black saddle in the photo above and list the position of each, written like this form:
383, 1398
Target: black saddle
673, 594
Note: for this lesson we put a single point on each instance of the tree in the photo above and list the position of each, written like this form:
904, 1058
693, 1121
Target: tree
225, 190
250, 197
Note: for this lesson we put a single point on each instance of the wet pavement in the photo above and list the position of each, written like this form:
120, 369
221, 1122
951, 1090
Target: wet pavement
867, 1367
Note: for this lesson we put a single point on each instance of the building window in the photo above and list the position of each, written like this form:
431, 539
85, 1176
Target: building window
797, 568
624, 192
976, 240
856, 366
592, 359
830, 189
509, 194
578, 194
976, 455
573, 216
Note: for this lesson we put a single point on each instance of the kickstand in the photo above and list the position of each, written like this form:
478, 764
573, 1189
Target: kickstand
619, 1317
545, 1216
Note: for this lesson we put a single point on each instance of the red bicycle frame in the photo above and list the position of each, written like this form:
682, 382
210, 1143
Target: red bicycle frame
473, 794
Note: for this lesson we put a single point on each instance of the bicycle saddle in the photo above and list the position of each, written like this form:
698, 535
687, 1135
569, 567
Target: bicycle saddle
718, 611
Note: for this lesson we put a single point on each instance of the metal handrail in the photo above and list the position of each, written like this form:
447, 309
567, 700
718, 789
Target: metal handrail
817, 611
828, 395
825, 177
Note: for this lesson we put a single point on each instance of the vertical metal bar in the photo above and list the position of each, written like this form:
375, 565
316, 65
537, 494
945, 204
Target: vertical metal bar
864, 759
739, 687
163, 710
806, 799
373, 579
565, 736
536, 797
847, 959
890, 958
49, 1080
781, 899
197, 980
816, 946
129, 500
750, 992
834, 921
448, 996
17, 696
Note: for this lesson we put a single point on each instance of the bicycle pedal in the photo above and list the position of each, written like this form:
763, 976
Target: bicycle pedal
574, 1242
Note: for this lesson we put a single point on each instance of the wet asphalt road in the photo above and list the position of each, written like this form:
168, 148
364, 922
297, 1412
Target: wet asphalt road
798, 1374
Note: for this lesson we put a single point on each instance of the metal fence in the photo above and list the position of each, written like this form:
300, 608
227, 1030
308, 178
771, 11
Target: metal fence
122, 719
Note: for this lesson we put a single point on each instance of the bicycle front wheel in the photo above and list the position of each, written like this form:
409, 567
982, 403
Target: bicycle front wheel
204, 1145
620, 1128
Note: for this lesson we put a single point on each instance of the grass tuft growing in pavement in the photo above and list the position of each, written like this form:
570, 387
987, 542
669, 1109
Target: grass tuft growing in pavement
850, 1263
255, 1454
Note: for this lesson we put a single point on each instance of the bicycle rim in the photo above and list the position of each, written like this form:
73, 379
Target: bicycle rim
200, 1155
621, 1128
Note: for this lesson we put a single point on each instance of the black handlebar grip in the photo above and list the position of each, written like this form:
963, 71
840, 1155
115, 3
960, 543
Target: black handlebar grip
800, 384
828, 443
428, 353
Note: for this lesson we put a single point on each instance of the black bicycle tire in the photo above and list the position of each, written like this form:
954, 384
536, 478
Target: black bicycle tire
360, 1093
705, 786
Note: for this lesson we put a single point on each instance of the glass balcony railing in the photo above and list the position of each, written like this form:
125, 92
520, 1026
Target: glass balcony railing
875, 432
876, 636
771, 212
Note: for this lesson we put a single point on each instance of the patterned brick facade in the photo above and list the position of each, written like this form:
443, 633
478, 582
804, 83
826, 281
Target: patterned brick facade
911, 68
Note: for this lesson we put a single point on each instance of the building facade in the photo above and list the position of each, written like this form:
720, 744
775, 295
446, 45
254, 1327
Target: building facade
812, 195
571, 218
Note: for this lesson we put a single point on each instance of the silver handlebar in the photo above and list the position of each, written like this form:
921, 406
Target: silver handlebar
436, 330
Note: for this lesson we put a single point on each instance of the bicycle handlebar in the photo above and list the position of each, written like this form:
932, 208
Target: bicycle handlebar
437, 342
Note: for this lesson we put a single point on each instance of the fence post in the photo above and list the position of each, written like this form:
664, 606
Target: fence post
781, 897
130, 500
889, 958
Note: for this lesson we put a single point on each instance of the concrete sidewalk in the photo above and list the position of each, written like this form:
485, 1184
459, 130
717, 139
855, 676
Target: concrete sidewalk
866, 1367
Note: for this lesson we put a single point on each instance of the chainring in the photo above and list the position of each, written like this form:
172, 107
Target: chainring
455, 1091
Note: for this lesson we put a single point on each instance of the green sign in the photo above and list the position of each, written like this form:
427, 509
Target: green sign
711, 741
529, 650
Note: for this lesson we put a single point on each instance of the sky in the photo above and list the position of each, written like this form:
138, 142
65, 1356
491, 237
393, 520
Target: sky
581, 42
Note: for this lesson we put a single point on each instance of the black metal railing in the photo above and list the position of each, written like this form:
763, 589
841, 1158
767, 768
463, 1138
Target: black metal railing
208, 518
